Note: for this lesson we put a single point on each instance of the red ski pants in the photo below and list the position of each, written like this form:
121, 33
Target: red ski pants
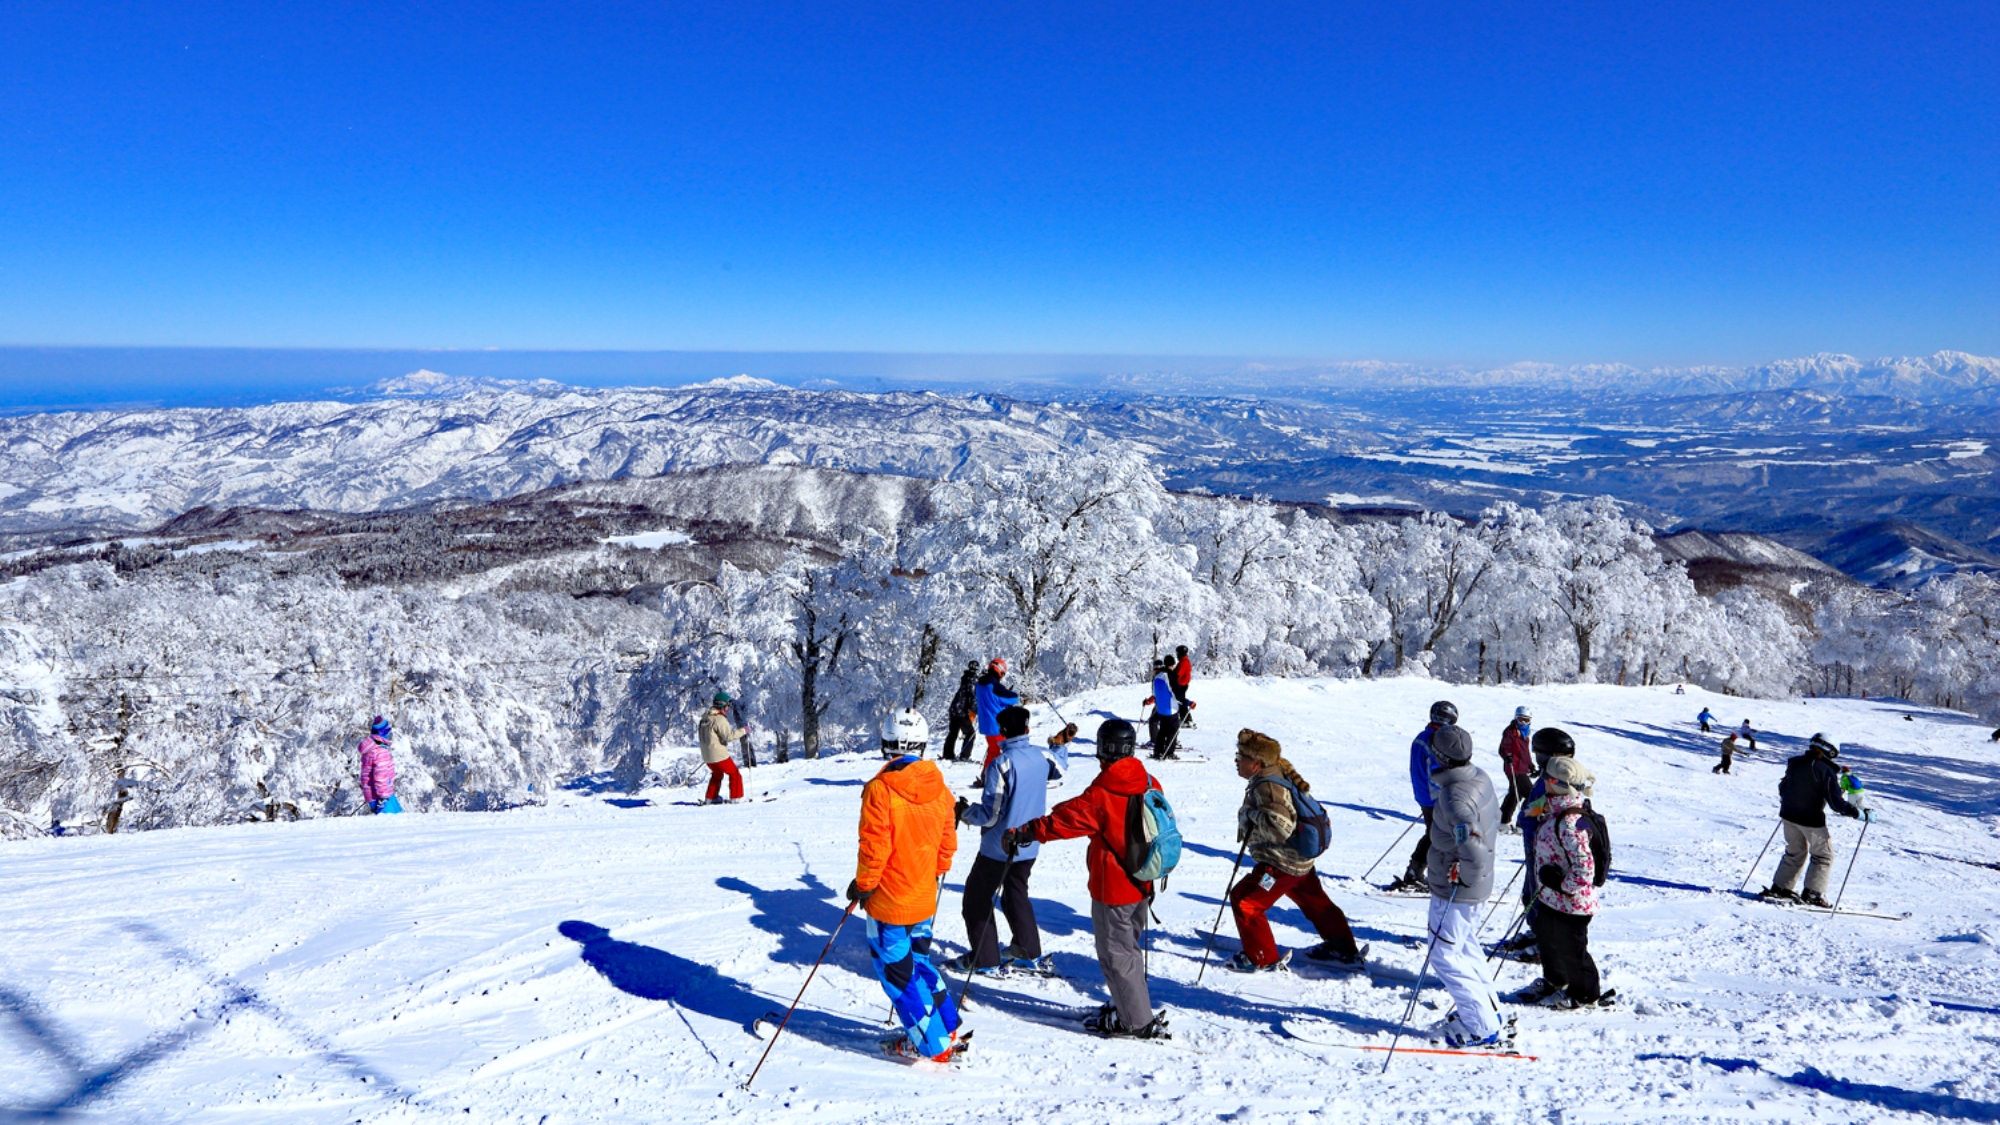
1264, 886
719, 770
993, 742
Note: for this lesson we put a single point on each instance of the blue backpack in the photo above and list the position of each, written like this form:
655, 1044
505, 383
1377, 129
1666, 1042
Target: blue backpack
1152, 838
1313, 829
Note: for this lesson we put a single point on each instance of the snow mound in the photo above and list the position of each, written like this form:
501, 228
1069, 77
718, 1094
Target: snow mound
605, 957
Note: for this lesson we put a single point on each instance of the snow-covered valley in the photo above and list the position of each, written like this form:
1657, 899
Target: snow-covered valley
597, 958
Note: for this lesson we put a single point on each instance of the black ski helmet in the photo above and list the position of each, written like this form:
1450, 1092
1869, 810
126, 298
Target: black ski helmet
1827, 747
1450, 747
1116, 739
1443, 712
1553, 742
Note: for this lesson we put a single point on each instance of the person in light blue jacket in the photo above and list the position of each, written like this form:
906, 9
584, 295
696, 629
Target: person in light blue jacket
1016, 791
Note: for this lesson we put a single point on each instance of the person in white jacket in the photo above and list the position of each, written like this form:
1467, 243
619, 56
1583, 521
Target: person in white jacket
716, 734
1465, 823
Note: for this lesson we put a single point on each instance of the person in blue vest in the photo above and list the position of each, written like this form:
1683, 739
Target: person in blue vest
1443, 713
990, 696
1016, 792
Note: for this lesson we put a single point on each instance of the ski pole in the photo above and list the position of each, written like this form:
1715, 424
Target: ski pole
1850, 866
1513, 928
992, 924
1760, 856
1498, 901
1386, 851
802, 995
1416, 991
1206, 949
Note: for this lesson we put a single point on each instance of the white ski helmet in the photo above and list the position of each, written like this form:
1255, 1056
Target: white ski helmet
1522, 713
905, 732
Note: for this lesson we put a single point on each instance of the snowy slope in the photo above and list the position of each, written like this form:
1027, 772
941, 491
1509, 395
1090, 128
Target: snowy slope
450, 966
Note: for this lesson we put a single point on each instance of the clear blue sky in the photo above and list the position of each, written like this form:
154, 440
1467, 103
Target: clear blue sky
1650, 182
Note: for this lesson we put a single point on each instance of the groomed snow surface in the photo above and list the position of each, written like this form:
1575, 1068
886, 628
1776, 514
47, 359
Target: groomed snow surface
599, 959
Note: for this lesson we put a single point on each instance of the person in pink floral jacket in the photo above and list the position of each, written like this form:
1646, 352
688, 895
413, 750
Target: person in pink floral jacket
378, 769
1566, 870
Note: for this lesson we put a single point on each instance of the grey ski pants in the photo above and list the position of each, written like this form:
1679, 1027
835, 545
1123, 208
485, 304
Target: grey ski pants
1119, 930
1801, 842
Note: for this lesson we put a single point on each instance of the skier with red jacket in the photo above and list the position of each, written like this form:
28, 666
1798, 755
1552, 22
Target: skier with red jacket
1517, 765
1118, 905
1183, 673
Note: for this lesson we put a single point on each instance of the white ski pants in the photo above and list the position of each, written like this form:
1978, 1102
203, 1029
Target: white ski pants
1458, 962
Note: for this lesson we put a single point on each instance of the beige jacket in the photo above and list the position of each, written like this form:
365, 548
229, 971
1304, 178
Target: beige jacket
1266, 823
717, 736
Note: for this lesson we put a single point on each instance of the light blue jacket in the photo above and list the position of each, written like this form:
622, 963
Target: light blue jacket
1016, 792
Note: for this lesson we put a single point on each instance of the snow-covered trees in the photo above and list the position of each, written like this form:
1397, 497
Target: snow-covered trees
154, 698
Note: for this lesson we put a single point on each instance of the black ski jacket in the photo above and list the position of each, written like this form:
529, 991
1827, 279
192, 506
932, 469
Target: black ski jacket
961, 701
1811, 784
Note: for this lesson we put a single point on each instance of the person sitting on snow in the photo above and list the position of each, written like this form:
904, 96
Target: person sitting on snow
907, 844
378, 768
1118, 905
1265, 824
1016, 792
1811, 784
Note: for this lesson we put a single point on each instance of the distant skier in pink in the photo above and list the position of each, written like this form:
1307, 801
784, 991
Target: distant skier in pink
378, 769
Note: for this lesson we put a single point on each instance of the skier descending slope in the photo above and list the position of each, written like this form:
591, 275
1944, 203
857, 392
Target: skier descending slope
716, 734
907, 843
378, 768
991, 695
1706, 719
1566, 881
1442, 712
1284, 842
1118, 905
1464, 822
1016, 792
1811, 784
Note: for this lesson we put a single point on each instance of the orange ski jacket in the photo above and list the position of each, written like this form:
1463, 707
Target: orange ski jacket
908, 838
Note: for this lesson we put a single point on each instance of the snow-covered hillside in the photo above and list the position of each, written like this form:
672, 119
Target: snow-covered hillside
597, 959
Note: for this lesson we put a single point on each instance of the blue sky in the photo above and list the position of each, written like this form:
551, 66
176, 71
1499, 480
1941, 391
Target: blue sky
1441, 182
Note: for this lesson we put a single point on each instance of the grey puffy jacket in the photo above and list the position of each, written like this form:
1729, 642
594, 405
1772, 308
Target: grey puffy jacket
1465, 799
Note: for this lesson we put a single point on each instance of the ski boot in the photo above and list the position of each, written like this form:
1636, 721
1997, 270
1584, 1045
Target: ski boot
1105, 1022
1241, 963
1777, 894
1534, 993
962, 964
1814, 898
1409, 884
900, 1047
1325, 954
1456, 1034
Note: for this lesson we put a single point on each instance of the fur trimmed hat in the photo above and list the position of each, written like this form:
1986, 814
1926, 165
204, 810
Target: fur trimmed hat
1254, 744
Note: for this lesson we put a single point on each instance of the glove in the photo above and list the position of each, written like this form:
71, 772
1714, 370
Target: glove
1012, 839
1852, 814
1868, 815
1551, 876
958, 808
856, 895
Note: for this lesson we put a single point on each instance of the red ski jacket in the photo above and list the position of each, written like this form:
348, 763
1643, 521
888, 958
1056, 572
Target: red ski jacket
1514, 752
1183, 672
1099, 813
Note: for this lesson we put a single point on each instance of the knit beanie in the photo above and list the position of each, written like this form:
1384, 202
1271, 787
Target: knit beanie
1567, 775
1450, 746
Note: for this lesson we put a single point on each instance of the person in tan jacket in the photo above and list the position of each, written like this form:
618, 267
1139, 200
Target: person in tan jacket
717, 735
1267, 823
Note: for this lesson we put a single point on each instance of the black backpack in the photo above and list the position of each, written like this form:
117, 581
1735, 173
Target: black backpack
1600, 842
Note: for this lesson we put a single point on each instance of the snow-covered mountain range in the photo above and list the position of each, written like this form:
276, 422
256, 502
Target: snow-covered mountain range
1805, 450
